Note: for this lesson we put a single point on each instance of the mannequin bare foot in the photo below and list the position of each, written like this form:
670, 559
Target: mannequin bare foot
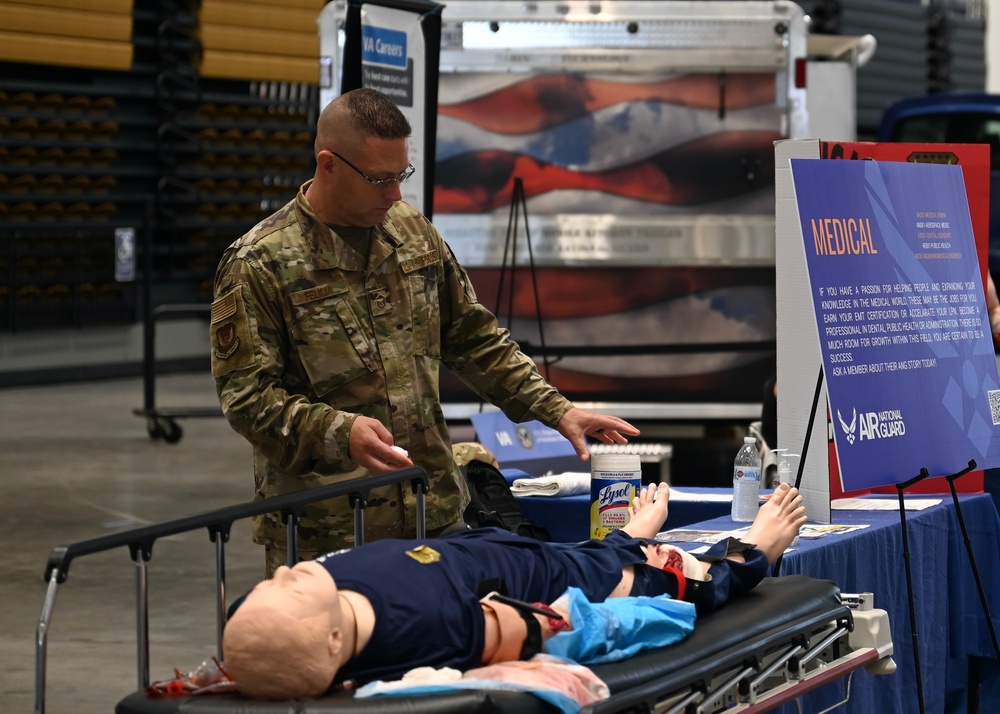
778, 522
648, 511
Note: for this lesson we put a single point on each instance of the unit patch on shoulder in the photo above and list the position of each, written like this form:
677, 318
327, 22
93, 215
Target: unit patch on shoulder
226, 341
232, 346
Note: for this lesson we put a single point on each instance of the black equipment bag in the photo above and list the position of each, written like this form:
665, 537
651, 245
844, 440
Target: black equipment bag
493, 504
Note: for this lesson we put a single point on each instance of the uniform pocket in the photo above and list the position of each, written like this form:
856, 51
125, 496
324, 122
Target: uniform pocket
332, 347
426, 312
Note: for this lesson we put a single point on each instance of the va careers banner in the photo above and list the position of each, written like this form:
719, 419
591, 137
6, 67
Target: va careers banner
393, 55
907, 350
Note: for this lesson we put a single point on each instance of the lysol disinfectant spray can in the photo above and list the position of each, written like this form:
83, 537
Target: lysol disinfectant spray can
615, 479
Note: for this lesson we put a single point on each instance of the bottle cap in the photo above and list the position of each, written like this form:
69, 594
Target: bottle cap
749, 440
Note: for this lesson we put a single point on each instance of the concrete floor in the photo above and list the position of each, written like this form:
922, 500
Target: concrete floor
76, 463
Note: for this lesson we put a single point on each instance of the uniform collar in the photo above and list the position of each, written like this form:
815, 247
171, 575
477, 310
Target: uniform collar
329, 251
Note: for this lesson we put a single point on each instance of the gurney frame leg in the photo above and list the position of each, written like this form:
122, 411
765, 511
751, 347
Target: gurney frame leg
140, 542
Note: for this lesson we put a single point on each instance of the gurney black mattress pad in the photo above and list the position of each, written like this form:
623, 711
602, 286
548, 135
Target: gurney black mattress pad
778, 611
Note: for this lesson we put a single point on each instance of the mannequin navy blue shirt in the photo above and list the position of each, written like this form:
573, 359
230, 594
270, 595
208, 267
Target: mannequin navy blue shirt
425, 594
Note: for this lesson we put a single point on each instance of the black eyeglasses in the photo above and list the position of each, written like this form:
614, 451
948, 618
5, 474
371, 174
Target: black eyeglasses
379, 183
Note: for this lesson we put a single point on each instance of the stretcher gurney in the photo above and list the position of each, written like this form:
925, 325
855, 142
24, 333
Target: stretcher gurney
787, 636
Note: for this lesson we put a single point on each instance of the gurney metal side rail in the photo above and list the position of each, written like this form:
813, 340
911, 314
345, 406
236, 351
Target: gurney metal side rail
748, 684
140, 542
740, 677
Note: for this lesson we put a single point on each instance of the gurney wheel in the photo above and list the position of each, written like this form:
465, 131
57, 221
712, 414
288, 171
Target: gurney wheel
164, 428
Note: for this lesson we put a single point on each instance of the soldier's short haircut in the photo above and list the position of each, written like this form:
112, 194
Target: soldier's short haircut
375, 115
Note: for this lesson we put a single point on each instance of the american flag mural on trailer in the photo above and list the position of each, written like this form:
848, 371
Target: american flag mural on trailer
678, 145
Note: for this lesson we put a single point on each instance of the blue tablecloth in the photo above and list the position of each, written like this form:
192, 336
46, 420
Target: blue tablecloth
950, 623
567, 518
951, 626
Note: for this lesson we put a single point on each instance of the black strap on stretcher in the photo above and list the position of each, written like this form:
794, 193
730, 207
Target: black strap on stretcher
219, 523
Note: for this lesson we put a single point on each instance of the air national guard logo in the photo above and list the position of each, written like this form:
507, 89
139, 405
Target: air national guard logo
849, 428
885, 424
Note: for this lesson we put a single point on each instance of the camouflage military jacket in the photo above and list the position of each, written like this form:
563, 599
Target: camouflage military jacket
307, 335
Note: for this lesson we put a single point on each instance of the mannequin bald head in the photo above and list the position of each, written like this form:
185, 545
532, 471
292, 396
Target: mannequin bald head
285, 640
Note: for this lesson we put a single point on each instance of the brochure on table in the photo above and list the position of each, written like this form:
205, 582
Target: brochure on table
897, 295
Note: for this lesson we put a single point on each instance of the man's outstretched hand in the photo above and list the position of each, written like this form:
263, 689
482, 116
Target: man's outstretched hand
579, 423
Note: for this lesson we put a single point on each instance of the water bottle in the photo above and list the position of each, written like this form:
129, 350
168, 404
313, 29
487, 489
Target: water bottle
746, 481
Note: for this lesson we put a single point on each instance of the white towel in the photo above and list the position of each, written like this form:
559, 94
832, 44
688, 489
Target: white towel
565, 484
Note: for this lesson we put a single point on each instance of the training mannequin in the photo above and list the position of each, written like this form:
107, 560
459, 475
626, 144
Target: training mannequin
378, 611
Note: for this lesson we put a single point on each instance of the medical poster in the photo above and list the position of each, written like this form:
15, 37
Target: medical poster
898, 300
973, 158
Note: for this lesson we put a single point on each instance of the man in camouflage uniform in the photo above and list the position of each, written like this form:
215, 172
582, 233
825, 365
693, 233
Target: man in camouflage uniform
329, 322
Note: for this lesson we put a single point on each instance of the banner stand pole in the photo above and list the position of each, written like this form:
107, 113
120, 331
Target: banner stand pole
972, 558
973, 672
809, 428
900, 487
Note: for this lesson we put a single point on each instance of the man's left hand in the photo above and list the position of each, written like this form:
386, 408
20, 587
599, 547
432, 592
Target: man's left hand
578, 423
